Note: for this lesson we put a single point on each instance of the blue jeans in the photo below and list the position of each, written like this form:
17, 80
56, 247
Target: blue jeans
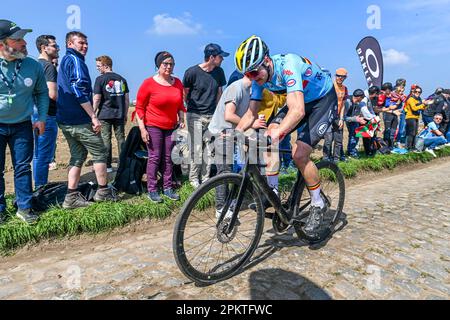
402, 129
434, 142
19, 137
286, 158
448, 136
45, 152
352, 139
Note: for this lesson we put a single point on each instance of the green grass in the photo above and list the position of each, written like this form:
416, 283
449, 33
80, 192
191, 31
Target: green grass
58, 223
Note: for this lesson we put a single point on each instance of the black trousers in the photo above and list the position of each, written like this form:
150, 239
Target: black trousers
391, 125
412, 127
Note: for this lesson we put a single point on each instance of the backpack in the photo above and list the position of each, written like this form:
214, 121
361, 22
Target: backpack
132, 164
381, 146
130, 178
53, 194
420, 143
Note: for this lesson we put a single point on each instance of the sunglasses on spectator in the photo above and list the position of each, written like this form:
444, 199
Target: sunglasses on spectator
168, 64
417, 91
440, 119
341, 76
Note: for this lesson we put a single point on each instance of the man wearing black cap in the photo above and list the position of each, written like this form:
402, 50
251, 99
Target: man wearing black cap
22, 85
203, 88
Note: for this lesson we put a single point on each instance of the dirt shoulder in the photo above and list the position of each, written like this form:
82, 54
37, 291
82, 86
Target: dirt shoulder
147, 226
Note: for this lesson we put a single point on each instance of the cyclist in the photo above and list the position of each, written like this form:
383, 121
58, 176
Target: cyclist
311, 108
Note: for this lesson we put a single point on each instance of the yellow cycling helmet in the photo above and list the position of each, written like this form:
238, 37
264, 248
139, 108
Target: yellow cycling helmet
250, 54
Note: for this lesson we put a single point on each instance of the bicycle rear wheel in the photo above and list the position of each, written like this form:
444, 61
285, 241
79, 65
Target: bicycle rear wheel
333, 193
203, 248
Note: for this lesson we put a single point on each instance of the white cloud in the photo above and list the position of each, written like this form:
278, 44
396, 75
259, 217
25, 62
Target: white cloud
163, 24
394, 57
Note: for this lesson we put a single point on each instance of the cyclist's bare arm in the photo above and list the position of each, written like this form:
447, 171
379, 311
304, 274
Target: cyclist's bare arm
249, 117
296, 113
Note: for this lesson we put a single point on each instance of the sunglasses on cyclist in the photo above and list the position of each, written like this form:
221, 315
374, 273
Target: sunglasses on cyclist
255, 72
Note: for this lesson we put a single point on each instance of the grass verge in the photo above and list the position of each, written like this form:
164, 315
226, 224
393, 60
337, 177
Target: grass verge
58, 223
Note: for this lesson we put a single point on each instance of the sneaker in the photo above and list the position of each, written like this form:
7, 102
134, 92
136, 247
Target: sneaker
431, 152
106, 194
315, 218
27, 215
447, 145
229, 214
154, 197
172, 195
195, 184
109, 170
230, 210
75, 200
52, 166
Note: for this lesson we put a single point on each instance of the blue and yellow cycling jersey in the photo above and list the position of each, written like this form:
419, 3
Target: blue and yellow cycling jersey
294, 73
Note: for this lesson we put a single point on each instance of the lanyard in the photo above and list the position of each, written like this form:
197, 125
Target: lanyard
5, 80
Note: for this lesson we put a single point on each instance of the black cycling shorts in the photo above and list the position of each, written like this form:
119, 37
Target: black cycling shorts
318, 119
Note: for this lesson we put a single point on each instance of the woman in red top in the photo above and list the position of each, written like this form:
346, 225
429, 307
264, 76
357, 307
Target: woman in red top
160, 110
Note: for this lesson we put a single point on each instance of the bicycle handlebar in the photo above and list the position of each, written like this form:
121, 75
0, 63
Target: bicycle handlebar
259, 139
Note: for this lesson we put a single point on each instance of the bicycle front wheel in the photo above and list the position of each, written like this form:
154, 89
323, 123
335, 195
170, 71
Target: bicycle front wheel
205, 249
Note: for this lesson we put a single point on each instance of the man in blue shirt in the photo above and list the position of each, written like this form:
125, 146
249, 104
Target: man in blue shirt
22, 85
433, 137
79, 124
311, 107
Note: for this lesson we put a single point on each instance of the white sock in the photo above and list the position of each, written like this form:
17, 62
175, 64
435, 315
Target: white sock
316, 199
273, 182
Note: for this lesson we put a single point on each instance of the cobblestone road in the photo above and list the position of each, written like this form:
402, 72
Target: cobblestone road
394, 247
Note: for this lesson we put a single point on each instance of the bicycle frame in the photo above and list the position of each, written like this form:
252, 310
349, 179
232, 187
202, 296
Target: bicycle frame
252, 172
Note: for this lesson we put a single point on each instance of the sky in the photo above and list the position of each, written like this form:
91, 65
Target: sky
414, 34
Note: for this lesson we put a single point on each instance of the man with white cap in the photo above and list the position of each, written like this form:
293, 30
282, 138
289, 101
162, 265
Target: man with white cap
22, 85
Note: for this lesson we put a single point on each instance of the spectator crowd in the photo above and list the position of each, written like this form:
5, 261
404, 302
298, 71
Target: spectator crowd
38, 98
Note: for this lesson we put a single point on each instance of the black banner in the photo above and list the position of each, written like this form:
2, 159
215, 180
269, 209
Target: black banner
371, 57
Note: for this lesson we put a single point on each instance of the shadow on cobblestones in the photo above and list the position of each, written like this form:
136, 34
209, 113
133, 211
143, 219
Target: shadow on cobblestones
290, 239
278, 284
